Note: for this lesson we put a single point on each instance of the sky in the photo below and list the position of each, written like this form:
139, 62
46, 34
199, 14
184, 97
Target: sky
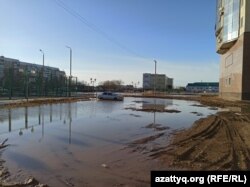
114, 39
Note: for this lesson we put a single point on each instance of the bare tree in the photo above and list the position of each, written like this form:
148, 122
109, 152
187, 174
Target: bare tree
113, 85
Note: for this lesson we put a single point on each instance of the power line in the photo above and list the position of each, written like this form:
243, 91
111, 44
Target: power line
94, 27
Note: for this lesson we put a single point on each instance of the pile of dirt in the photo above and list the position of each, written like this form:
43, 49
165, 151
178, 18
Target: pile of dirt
218, 142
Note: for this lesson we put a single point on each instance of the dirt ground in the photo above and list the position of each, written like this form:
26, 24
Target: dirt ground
217, 142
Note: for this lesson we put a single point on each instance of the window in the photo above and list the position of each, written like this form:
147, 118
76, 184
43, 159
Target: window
229, 60
231, 20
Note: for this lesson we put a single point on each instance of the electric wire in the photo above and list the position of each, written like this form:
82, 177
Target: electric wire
95, 28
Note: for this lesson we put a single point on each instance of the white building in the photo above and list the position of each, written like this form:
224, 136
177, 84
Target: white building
161, 81
18, 66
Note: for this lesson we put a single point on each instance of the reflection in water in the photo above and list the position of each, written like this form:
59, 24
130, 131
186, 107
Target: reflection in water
68, 146
50, 112
42, 125
20, 132
60, 111
155, 108
94, 113
32, 129
157, 104
9, 112
70, 121
25, 160
22, 119
39, 115
26, 117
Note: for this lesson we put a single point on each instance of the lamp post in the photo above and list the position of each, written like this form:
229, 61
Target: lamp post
27, 83
154, 91
136, 87
92, 81
155, 78
70, 75
42, 73
132, 86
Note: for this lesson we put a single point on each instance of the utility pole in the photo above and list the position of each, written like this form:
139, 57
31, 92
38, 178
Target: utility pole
70, 75
27, 83
42, 73
92, 81
155, 78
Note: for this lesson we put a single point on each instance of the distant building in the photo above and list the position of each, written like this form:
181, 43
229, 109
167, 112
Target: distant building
233, 44
161, 81
32, 69
202, 87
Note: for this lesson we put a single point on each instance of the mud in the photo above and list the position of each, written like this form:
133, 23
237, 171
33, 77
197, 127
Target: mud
147, 139
219, 142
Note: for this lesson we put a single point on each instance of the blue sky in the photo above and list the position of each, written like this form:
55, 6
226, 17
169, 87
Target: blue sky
179, 34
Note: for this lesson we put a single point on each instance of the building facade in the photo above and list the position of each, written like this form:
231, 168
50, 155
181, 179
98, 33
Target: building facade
201, 87
233, 44
161, 82
32, 69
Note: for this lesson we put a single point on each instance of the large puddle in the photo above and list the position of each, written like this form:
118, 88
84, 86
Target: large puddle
82, 144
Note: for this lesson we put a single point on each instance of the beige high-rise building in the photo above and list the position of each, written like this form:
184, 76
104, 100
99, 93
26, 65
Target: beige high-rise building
233, 43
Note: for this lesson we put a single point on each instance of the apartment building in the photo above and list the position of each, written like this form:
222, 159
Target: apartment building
233, 44
161, 82
22, 67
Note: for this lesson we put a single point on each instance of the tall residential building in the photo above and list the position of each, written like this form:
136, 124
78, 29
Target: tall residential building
162, 82
32, 69
233, 44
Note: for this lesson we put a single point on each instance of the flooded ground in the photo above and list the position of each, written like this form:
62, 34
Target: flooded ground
89, 143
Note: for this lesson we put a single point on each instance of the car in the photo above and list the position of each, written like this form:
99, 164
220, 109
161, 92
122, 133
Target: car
110, 96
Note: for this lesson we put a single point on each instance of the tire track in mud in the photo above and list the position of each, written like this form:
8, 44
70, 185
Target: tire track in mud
213, 143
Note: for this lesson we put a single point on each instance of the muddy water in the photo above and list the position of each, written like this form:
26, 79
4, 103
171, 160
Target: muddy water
85, 143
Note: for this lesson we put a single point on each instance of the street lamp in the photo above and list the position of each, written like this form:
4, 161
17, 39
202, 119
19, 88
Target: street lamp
137, 85
42, 72
155, 77
70, 75
154, 91
92, 81
133, 89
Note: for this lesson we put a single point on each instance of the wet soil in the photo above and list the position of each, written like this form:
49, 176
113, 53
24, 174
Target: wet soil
218, 142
